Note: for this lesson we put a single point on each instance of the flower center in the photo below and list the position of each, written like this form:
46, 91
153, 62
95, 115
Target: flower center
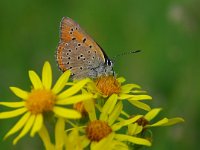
40, 101
80, 108
108, 85
142, 122
96, 130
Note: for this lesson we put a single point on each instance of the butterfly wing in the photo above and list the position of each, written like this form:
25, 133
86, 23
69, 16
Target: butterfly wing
77, 51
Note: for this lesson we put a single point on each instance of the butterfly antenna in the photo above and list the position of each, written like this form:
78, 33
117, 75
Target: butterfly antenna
125, 53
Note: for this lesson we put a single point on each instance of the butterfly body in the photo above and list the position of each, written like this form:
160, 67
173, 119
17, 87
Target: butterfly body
79, 53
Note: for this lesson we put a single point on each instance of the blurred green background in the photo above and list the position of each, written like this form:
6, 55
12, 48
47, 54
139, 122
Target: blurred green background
167, 32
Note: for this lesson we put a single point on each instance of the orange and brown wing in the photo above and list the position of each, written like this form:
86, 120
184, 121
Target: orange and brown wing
77, 50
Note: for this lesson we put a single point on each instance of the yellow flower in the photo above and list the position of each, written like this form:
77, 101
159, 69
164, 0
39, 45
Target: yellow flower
105, 86
144, 122
103, 133
41, 99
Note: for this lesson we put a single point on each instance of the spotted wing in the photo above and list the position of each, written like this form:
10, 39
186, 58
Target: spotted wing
77, 51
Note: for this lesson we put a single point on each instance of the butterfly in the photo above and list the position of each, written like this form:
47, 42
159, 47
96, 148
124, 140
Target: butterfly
79, 53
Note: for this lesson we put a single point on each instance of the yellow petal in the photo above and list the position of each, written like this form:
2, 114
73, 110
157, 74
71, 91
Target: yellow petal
151, 114
141, 105
115, 114
105, 143
120, 124
124, 96
35, 80
138, 92
74, 99
135, 140
108, 107
134, 129
140, 97
47, 75
37, 124
128, 87
89, 107
61, 82
13, 113
19, 92
13, 104
84, 141
74, 89
121, 79
26, 128
18, 125
44, 135
159, 123
69, 83
173, 121
66, 113
60, 133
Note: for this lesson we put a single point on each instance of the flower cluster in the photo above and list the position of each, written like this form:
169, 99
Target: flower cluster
86, 113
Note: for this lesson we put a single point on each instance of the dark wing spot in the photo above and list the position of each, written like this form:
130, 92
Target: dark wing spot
76, 28
69, 50
78, 57
79, 44
81, 68
89, 51
70, 32
68, 62
67, 53
72, 29
70, 67
84, 40
69, 57
90, 46
73, 38
81, 55
76, 48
